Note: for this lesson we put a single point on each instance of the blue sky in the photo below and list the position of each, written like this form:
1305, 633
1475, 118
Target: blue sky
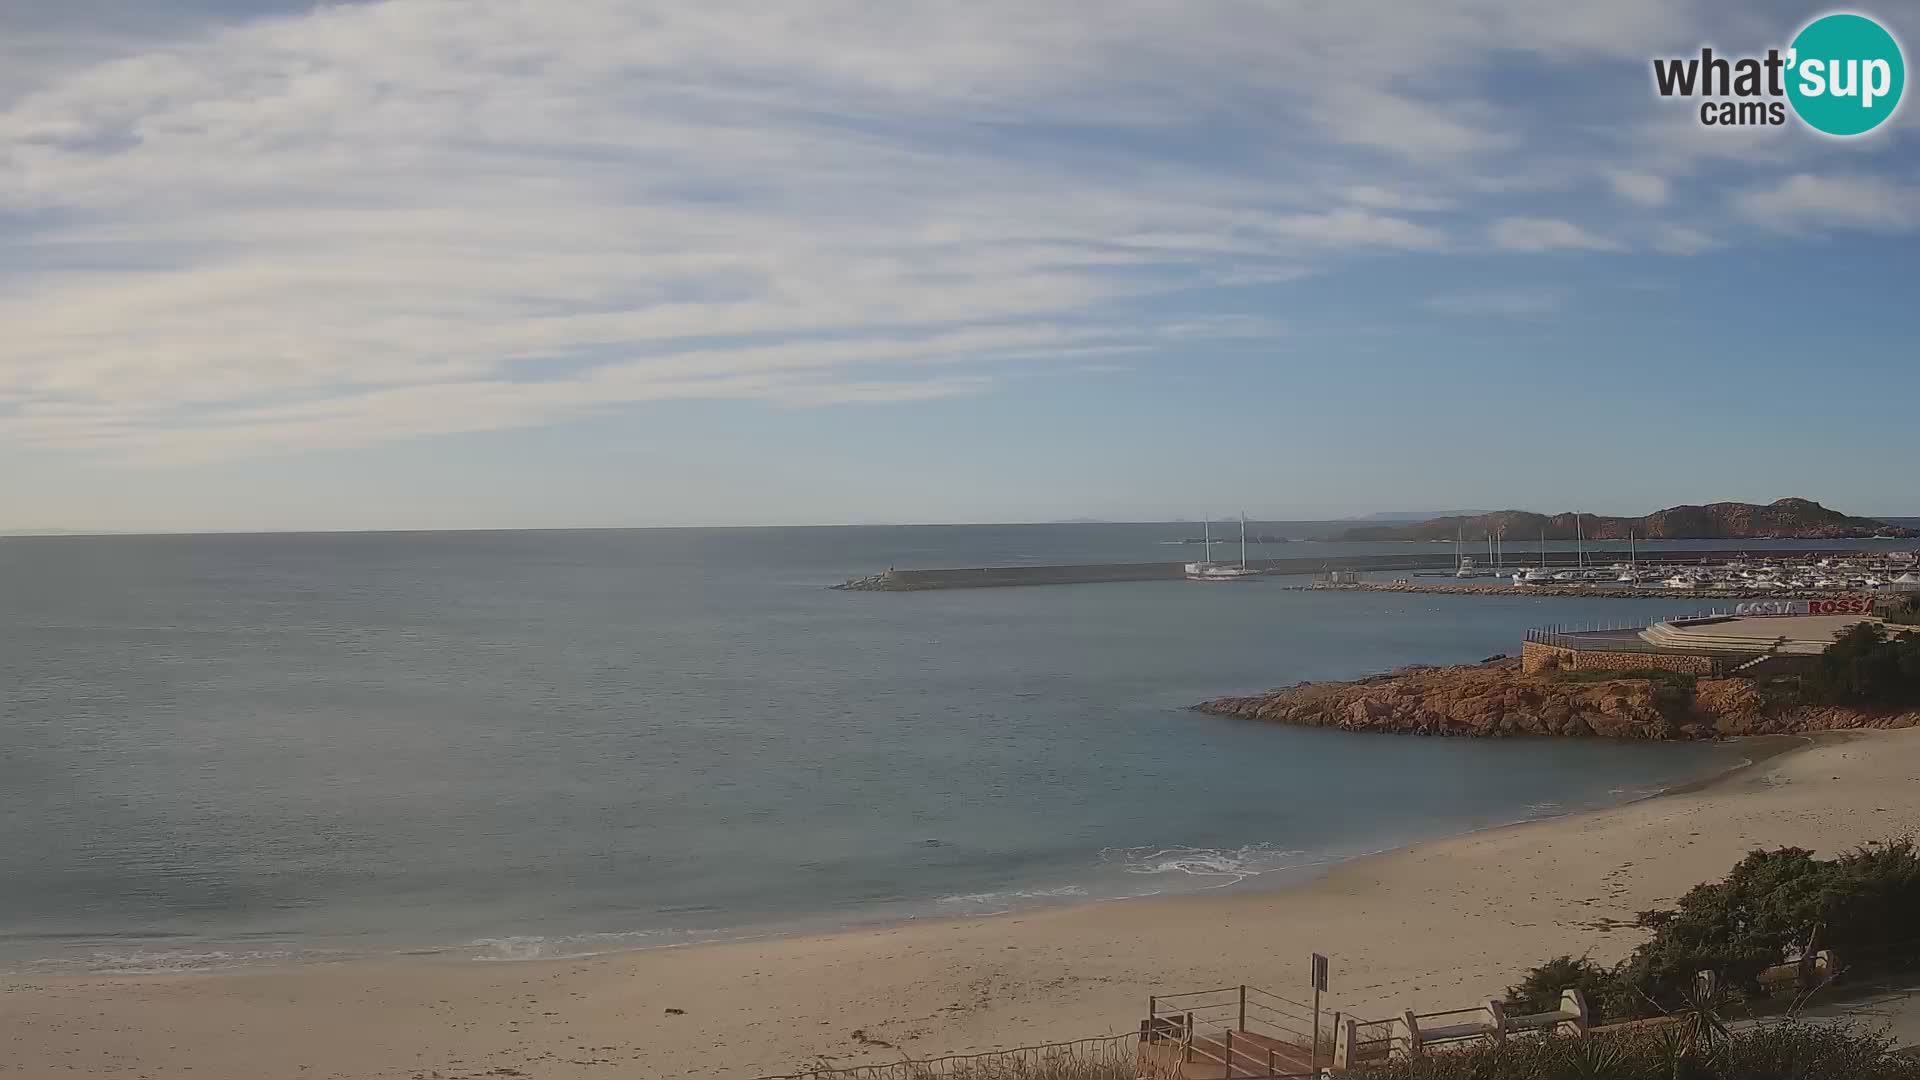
502, 263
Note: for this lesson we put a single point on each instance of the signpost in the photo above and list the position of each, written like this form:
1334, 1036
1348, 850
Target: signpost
1319, 987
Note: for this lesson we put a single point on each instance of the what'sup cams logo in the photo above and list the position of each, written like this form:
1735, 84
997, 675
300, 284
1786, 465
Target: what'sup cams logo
1842, 75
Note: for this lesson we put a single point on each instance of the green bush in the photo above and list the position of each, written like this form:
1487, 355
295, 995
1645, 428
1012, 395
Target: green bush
1539, 991
1788, 1051
1866, 666
1773, 906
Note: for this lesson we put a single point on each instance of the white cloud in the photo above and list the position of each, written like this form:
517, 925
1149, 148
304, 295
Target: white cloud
1644, 189
1805, 201
396, 218
1683, 240
1534, 235
1375, 197
1516, 303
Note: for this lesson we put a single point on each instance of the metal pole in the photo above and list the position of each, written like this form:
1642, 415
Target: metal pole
1243, 1006
1229, 1053
1315, 1054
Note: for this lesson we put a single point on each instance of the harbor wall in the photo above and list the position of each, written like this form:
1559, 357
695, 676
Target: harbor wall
979, 577
1536, 657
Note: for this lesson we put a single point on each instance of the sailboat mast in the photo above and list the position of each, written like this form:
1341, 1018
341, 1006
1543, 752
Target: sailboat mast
1579, 543
1243, 539
1206, 534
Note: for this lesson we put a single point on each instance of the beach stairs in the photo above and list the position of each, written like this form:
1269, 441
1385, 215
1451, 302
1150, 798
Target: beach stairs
1225, 1034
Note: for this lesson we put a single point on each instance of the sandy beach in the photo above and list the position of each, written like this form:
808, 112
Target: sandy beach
1434, 925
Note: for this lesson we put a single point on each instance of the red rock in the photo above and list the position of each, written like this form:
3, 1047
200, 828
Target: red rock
1497, 699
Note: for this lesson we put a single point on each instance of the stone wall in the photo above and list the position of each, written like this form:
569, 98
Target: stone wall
1535, 658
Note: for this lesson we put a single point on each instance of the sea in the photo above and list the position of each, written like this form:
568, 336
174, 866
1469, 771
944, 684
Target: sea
232, 750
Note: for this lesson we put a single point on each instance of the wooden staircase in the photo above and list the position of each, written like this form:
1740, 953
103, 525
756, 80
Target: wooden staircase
1227, 1034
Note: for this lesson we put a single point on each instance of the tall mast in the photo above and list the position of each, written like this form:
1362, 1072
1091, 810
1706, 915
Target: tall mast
1579, 544
1243, 539
1206, 533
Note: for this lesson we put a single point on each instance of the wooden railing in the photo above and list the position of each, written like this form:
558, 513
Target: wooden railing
1241, 1031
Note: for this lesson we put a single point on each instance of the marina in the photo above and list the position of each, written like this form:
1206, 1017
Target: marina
1722, 573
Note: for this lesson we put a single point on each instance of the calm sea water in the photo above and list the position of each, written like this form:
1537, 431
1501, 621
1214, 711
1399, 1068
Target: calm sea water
231, 749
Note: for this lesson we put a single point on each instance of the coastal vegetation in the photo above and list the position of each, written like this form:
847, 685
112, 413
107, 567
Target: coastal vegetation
1797, 519
1773, 908
1867, 666
1785, 1051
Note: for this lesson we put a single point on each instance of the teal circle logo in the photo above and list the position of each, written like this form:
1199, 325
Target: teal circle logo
1845, 74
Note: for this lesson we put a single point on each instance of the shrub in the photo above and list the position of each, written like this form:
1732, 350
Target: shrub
1864, 666
1789, 1051
1772, 907
1540, 989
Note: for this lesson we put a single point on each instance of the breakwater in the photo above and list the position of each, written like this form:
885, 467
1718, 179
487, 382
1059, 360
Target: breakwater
982, 577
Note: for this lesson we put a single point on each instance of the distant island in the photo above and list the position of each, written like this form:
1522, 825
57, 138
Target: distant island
1786, 519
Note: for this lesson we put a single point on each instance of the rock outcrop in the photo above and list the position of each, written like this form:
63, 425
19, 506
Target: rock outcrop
1498, 699
1796, 519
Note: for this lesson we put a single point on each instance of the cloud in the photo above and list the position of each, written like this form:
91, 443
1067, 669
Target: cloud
1517, 303
1805, 201
1643, 189
1683, 240
1534, 235
339, 224
1376, 197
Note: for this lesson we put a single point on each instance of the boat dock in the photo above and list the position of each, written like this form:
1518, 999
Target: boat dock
987, 577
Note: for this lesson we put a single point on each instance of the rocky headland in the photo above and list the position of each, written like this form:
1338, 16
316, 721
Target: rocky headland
1496, 698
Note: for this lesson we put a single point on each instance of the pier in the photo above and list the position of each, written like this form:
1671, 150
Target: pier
986, 577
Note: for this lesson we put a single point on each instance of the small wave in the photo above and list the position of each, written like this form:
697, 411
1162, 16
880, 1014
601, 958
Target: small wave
1231, 864
985, 903
169, 961
521, 947
1547, 808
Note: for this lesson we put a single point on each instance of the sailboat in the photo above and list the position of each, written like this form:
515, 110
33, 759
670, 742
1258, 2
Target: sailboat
1539, 574
1463, 564
1208, 570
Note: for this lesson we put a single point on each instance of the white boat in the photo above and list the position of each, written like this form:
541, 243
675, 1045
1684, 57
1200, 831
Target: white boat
1208, 570
1681, 581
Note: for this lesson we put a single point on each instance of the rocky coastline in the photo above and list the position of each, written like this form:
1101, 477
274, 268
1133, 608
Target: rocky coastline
1496, 699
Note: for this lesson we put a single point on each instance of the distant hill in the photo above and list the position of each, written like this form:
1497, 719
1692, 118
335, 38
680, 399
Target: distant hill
1787, 519
1416, 515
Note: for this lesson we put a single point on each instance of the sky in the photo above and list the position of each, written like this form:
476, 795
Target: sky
269, 265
